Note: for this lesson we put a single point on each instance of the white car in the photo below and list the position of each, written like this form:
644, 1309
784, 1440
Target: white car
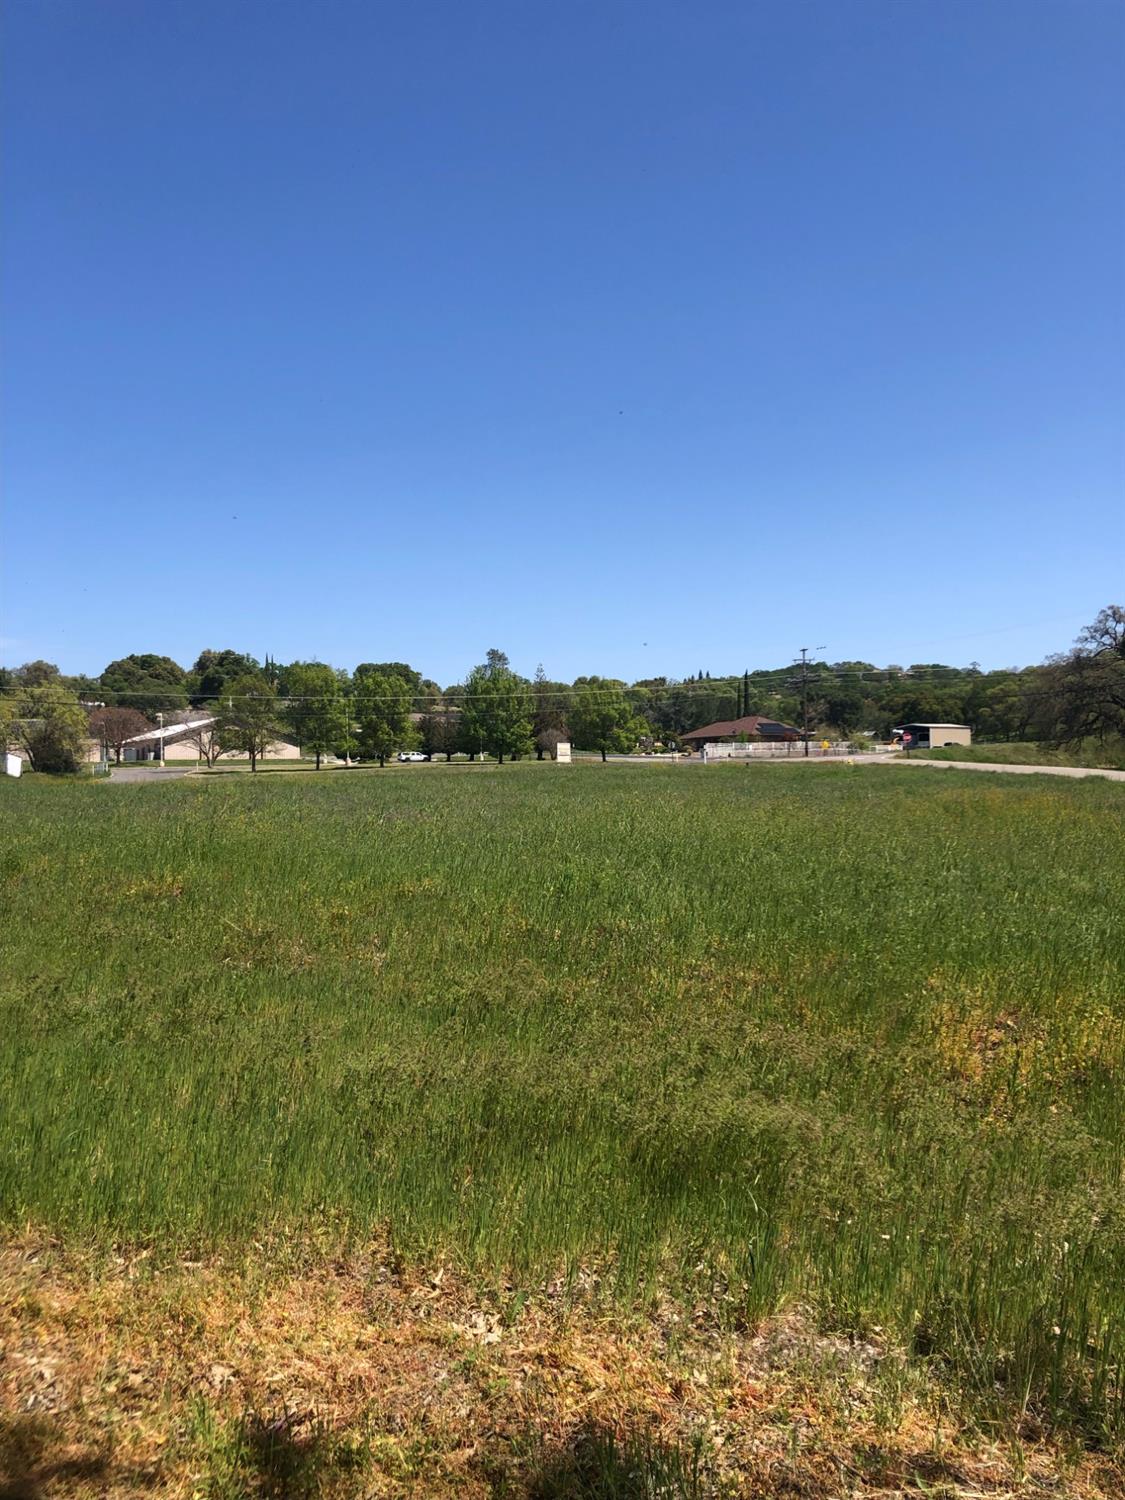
412, 755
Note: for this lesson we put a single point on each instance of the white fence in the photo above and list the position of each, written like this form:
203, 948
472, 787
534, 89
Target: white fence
765, 750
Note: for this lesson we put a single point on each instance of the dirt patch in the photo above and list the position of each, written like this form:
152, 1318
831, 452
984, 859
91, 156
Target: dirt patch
286, 1372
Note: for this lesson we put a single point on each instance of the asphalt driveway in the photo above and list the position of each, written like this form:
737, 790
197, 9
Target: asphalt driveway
137, 774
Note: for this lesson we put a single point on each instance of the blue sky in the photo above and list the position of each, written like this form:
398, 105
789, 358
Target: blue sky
630, 338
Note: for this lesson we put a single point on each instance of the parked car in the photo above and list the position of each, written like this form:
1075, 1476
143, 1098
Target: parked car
412, 755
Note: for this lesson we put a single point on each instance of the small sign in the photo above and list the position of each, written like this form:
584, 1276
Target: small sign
562, 752
13, 765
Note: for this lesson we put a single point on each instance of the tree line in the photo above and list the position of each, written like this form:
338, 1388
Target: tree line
380, 708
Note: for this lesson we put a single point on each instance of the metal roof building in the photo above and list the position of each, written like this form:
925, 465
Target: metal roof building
179, 743
924, 736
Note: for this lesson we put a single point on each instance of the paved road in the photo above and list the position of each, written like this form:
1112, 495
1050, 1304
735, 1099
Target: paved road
149, 774
138, 774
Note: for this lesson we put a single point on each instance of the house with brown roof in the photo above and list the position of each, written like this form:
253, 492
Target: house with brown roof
751, 728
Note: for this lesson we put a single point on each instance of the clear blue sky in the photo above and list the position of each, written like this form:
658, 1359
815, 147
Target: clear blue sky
629, 338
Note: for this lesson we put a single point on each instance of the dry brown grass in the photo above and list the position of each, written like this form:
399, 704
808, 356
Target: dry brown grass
291, 1371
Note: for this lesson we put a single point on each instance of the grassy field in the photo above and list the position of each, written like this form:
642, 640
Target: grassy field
1106, 754
847, 1040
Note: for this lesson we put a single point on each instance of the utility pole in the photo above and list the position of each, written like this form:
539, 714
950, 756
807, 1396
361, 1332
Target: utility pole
805, 692
160, 721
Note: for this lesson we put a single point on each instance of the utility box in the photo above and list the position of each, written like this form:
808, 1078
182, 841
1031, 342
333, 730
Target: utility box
13, 765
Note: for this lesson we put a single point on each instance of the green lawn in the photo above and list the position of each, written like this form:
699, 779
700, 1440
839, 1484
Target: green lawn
852, 1037
1096, 753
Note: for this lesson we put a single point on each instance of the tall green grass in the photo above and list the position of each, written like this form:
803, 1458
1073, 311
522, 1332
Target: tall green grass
850, 1036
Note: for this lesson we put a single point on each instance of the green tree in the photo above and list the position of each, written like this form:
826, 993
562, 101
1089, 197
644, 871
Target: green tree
840, 704
48, 723
86, 689
602, 718
382, 711
1082, 695
149, 683
247, 717
37, 674
497, 710
440, 731
314, 708
213, 670
400, 669
995, 706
